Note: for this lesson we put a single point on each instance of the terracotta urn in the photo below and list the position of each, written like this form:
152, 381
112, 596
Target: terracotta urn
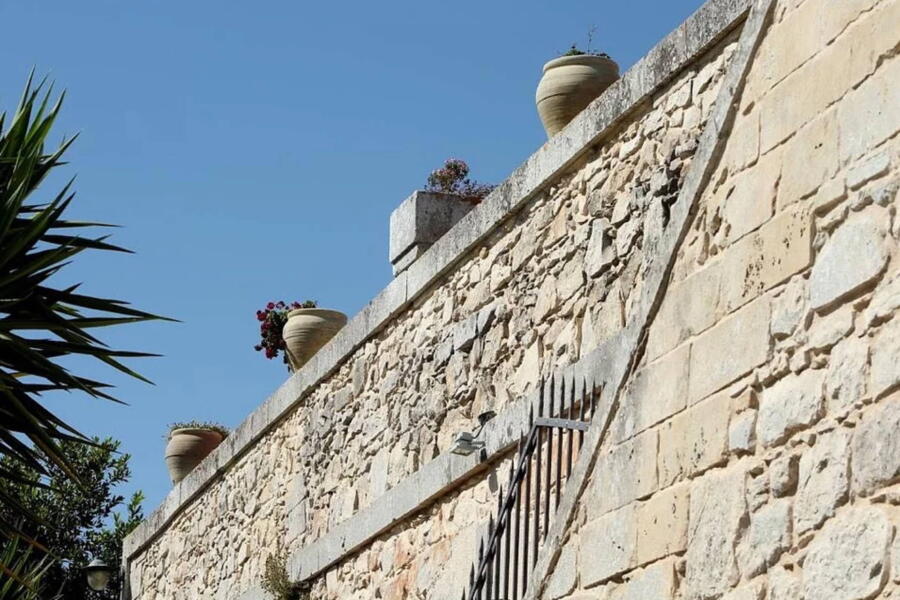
569, 84
187, 447
307, 330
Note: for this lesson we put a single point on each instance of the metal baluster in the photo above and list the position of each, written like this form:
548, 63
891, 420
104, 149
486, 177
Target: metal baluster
559, 442
547, 487
570, 432
527, 505
497, 556
518, 542
508, 564
478, 578
582, 409
489, 567
539, 435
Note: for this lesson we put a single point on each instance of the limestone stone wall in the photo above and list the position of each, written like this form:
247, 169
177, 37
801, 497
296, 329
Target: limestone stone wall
756, 454
557, 278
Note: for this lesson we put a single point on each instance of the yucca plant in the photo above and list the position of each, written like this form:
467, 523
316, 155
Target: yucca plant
39, 322
23, 574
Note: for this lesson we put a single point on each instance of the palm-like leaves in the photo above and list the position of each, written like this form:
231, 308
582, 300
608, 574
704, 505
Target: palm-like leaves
40, 323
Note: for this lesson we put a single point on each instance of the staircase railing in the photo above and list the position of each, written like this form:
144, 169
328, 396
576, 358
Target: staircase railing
538, 472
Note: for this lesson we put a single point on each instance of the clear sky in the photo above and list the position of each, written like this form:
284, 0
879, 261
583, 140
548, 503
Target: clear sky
253, 151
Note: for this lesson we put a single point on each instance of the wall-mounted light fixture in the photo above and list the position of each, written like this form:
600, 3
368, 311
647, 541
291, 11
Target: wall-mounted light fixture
98, 574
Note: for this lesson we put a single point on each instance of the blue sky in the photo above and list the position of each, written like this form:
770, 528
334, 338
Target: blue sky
254, 151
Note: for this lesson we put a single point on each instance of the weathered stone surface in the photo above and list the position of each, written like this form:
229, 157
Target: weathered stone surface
876, 447
815, 147
694, 440
767, 537
730, 349
784, 473
884, 374
847, 379
662, 524
789, 405
755, 590
824, 480
783, 585
788, 308
626, 473
688, 308
742, 432
562, 581
659, 390
601, 248
655, 581
847, 560
767, 257
606, 546
422, 219
852, 257
717, 509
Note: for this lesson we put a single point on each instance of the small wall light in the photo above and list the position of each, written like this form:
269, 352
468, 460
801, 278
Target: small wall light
465, 444
98, 574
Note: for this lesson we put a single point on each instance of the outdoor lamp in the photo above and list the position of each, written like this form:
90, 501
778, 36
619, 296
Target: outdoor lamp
98, 574
465, 444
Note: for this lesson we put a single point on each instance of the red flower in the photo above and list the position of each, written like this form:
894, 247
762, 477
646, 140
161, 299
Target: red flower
270, 305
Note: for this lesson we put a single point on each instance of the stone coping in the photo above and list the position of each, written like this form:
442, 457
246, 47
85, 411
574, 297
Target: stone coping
701, 30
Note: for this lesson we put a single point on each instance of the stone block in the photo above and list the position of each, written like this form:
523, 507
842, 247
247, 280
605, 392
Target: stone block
824, 480
658, 391
601, 251
754, 590
626, 473
867, 115
742, 432
784, 475
876, 447
788, 308
783, 585
752, 198
656, 581
694, 440
760, 261
848, 559
606, 546
768, 536
848, 375
662, 524
729, 350
884, 374
717, 508
814, 147
688, 308
827, 331
562, 580
789, 405
421, 220
852, 257
869, 169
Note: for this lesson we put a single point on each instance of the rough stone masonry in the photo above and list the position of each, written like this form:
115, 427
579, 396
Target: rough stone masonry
755, 450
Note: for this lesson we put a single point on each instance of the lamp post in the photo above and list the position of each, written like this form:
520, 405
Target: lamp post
98, 574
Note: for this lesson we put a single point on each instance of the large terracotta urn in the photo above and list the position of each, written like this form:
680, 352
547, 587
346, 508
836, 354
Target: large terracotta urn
187, 447
569, 84
307, 330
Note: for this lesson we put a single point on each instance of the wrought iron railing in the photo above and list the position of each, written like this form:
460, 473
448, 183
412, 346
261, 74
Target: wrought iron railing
538, 472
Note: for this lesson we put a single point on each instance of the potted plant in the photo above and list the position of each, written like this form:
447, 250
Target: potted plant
298, 329
189, 443
570, 83
453, 178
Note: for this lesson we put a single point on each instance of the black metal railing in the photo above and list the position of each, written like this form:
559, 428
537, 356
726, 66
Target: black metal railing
538, 472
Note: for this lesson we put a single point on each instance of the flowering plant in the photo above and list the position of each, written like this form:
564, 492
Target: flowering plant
221, 429
453, 178
271, 321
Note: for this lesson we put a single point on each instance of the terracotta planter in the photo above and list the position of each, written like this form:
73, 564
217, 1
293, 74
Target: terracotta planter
307, 330
187, 447
569, 84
